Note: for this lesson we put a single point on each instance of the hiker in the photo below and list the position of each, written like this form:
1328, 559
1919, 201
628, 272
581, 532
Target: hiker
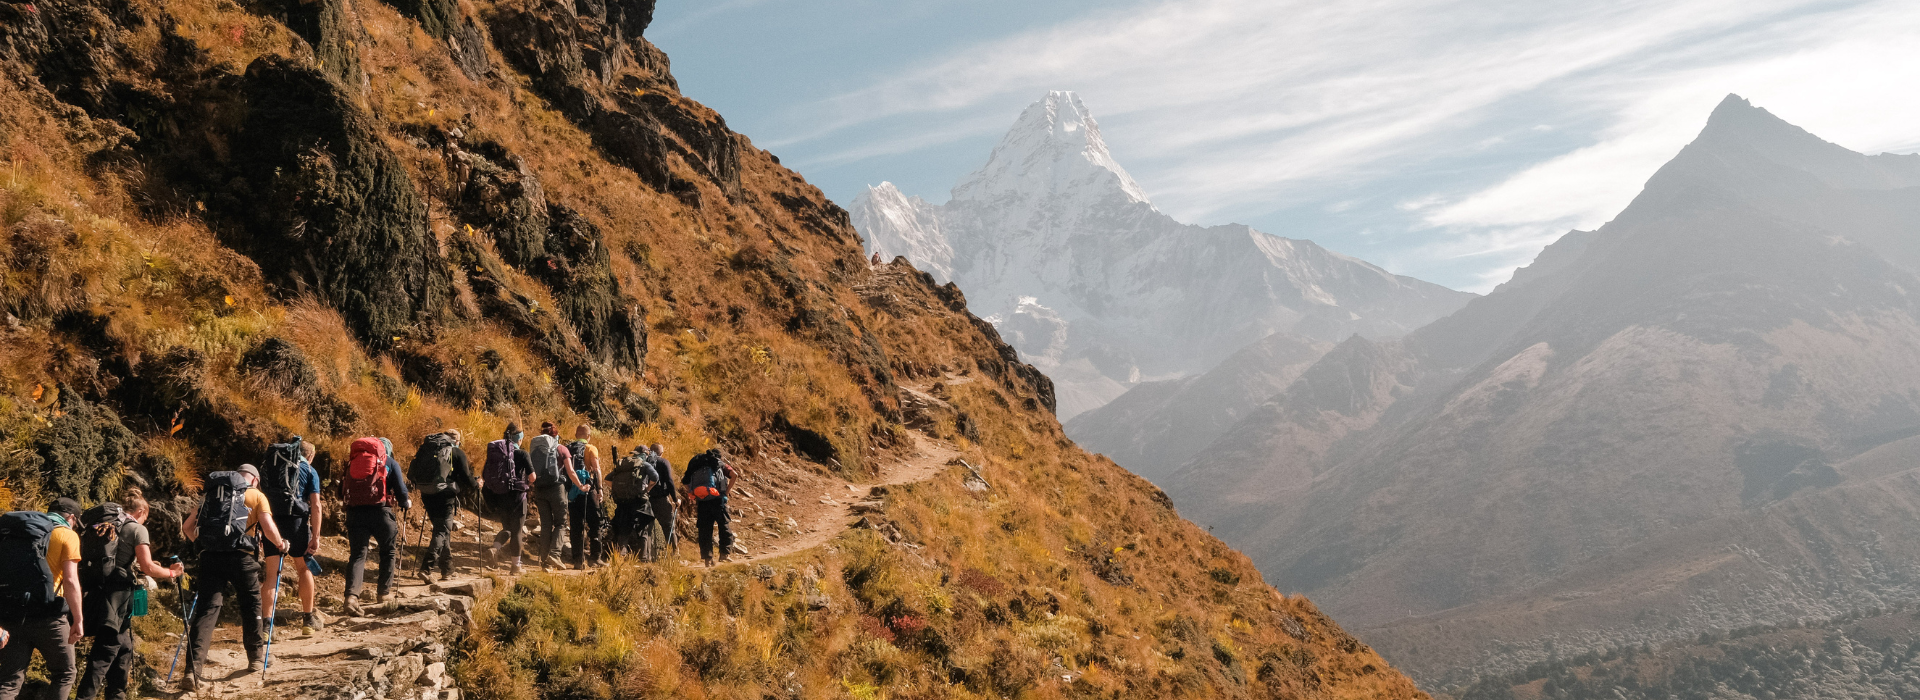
292, 487
630, 483
549, 492
440, 473
231, 507
665, 499
507, 477
585, 502
115, 552
373, 481
40, 604
709, 480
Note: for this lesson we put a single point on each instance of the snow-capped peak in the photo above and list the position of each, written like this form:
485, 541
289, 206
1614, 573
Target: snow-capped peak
1053, 148
895, 224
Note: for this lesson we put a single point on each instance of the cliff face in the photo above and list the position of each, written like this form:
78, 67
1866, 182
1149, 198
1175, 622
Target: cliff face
228, 223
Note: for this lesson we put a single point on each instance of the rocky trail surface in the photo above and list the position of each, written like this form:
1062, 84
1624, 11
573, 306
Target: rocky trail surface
399, 650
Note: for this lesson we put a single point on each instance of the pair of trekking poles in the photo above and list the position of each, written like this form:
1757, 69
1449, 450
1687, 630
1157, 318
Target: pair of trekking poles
193, 601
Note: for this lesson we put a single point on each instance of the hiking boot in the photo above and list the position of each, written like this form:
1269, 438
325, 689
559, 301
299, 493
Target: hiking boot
515, 570
724, 558
313, 622
708, 561
426, 577
190, 682
353, 607
445, 575
256, 666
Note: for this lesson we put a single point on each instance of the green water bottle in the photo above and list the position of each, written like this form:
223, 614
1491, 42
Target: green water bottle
140, 602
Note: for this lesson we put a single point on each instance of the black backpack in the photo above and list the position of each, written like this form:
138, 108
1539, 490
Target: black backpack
632, 477
280, 479
432, 469
102, 568
26, 584
223, 514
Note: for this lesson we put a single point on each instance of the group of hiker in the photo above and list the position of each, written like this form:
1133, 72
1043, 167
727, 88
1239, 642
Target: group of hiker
90, 570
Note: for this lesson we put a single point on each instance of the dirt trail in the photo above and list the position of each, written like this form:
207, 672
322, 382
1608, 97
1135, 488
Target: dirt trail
394, 651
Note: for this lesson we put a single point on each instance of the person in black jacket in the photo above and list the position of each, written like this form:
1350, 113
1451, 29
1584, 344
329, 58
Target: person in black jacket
375, 522
666, 504
508, 502
441, 501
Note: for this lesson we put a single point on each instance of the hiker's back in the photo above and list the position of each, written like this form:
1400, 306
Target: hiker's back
280, 479
432, 469
501, 475
544, 450
632, 478
224, 513
707, 476
26, 582
366, 482
106, 554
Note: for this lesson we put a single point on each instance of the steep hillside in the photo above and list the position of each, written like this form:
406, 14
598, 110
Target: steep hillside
1653, 432
228, 223
1060, 248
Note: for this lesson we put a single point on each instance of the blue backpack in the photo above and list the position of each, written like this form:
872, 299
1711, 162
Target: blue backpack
578, 450
224, 513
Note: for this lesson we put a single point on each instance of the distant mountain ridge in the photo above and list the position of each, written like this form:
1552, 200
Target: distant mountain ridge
1677, 423
1059, 247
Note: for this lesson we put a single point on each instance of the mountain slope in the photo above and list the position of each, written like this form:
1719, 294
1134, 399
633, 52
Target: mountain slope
1058, 246
1565, 464
227, 224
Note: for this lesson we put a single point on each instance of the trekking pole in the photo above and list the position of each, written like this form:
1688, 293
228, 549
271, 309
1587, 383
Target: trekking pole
272, 612
185, 622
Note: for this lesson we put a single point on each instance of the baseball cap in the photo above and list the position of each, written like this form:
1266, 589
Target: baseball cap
249, 470
64, 506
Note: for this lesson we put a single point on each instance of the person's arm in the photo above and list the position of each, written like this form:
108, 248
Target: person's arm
70, 589
524, 464
313, 506
271, 530
143, 558
397, 485
463, 471
190, 528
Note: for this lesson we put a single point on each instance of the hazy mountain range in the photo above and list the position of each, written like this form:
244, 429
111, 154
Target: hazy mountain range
1060, 249
1702, 416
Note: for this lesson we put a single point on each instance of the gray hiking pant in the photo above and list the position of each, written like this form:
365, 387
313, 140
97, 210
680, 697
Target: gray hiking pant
47, 634
553, 522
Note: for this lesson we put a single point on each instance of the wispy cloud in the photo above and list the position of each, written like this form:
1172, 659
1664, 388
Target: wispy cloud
1222, 106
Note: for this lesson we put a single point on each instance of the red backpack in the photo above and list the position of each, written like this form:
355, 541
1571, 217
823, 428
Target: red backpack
366, 482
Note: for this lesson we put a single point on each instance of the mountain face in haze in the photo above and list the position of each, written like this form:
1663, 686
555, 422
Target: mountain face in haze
1059, 248
1699, 417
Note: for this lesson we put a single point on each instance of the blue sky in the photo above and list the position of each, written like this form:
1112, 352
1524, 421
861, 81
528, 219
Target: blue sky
1443, 139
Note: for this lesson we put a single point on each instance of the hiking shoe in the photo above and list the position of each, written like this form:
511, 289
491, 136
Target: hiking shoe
190, 682
256, 666
426, 576
353, 607
724, 558
380, 599
445, 575
708, 561
312, 622
515, 570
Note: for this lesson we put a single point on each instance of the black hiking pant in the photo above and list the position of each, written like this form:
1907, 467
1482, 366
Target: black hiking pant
709, 516
110, 662
440, 509
589, 530
218, 570
48, 634
666, 516
375, 523
633, 526
511, 509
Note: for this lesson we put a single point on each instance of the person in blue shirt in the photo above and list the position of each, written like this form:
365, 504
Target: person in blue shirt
375, 522
303, 535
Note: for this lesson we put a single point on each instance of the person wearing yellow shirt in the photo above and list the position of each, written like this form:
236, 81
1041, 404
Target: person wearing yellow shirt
54, 632
228, 559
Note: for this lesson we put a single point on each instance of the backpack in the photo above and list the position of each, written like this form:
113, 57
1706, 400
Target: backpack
366, 480
26, 583
280, 479
502, 478
101, 565
432, 469
707, 476
578, 450
545, 452
632, 477
224, 513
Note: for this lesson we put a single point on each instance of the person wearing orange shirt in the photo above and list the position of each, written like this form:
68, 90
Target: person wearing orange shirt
52, 631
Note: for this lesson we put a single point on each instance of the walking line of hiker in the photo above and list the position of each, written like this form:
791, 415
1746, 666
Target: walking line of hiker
91, 569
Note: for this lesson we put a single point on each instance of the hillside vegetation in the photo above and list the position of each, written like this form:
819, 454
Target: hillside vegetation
226, 223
